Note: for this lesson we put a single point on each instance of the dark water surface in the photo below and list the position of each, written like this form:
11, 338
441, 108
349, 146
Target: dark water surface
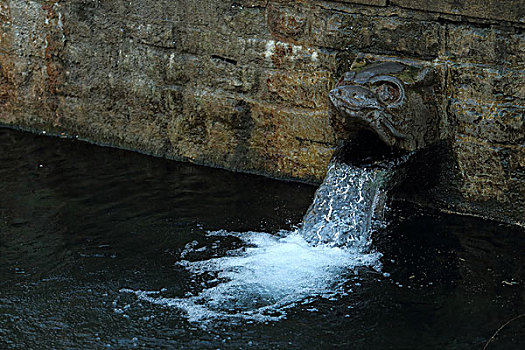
78, 223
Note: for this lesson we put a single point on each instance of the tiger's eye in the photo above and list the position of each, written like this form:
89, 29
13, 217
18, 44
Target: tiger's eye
387, 92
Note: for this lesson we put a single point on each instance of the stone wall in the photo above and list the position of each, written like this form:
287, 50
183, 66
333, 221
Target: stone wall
243, 84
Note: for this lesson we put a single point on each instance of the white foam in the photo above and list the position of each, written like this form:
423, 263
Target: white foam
263, 281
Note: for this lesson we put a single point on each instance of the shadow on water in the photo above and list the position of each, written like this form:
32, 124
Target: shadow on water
79, 223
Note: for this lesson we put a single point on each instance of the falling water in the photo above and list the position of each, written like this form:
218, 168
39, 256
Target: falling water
345, 206
272, 273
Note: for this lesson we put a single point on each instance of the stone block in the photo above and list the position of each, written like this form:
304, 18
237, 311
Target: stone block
491, 172
223, 129
219, 72
207, 71
253, 3
375, 34
298, 124
487, 84
207, 129
288, 21
244, 20
495, 122
298, 143
302, 89
199, 42
487, 45
282, 55
504, 10
160, 34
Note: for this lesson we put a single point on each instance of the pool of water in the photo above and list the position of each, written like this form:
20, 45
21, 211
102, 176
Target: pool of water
107, 248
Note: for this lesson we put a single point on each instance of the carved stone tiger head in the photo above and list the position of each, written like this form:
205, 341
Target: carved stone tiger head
394, 100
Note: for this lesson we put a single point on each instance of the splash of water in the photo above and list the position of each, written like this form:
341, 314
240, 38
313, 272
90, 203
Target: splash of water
263, 281
272, 273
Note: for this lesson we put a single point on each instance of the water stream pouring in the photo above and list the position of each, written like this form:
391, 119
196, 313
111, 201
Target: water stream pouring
345, 205
351, 201
272, 273
380, 109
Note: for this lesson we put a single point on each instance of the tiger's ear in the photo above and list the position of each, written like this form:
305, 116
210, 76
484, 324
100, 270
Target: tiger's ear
346, 79
426, 77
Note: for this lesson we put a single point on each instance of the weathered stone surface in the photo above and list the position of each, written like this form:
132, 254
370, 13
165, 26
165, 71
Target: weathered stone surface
483, 174
309, 90
493, 174
291, 140
506, 10
494, 46
498, 123
488, 103
376, 34
354, 31
292, 57
368, 2
244, 84
485, 83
